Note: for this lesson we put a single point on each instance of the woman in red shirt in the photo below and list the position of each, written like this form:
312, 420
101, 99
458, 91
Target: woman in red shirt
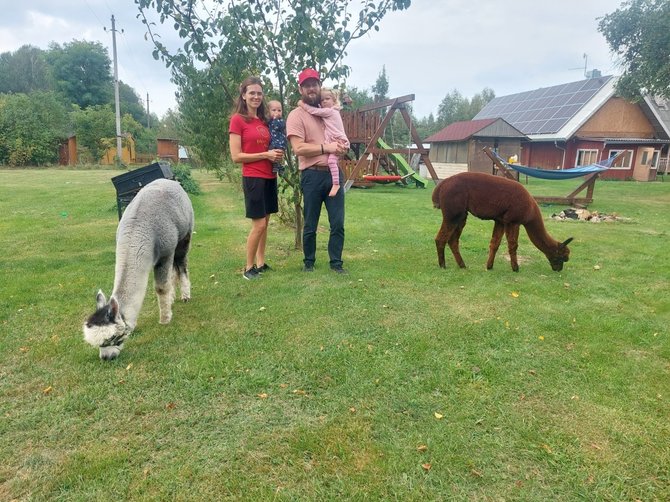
249, 141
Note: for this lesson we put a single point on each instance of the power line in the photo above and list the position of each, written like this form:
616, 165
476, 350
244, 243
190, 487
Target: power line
93, 12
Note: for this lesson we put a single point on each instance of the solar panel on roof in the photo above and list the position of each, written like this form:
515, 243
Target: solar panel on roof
557, 101
546, 113
552, 126
545, 110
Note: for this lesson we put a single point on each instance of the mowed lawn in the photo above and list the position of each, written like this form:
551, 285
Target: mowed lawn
398, 381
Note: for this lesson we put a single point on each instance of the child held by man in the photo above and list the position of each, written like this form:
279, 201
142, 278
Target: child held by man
330, 113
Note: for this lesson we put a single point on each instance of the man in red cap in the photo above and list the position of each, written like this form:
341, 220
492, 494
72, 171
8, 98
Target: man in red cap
306, 134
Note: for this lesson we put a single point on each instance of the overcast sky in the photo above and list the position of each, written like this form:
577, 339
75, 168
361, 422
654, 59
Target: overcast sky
432, 48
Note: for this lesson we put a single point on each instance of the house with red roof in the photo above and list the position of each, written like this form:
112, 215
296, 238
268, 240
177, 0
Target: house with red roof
458, 147
580, 123
564, 126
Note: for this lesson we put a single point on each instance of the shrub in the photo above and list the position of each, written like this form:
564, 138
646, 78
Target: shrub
182, 174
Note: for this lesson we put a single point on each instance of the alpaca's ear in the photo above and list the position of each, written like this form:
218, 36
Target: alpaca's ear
566, 242
100, 300
114, 307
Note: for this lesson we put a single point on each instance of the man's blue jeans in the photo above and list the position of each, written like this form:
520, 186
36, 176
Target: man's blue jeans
315, 187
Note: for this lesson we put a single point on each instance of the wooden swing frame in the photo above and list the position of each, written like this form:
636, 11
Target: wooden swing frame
370, 141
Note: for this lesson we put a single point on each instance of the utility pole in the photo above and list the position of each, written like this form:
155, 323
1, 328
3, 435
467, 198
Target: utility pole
116, 96
148, 115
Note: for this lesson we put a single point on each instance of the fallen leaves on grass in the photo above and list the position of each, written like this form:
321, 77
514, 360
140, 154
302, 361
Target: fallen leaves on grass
47, 390
422, 448
439, 416
426, 467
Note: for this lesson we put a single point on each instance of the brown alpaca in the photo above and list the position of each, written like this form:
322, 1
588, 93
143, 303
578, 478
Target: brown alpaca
502, 200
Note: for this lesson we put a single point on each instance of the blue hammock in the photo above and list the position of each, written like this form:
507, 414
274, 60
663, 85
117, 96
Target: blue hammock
561, 174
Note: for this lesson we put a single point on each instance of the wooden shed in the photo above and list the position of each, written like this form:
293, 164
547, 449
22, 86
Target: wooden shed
127, 151
67, 152
458, 147
167, 149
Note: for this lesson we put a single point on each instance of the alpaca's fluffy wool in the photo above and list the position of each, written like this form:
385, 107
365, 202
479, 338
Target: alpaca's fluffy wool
154, 233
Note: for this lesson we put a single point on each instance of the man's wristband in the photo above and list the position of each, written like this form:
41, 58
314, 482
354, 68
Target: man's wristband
322, 152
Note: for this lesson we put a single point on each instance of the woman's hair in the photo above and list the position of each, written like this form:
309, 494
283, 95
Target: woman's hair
241, 105
335, 94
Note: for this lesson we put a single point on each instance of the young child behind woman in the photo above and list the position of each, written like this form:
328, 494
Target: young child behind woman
330, 113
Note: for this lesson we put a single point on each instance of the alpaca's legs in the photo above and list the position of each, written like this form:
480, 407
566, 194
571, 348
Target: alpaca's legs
441, 241
164, 288
496, 237
181, 268
512, 233
454, 241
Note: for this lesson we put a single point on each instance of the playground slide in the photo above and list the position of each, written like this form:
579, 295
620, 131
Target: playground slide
404, 167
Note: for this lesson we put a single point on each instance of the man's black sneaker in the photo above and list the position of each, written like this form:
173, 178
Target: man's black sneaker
308, 268
251, 274
339, 270
264, 268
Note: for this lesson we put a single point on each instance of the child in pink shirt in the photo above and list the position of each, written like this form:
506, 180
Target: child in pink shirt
330, 113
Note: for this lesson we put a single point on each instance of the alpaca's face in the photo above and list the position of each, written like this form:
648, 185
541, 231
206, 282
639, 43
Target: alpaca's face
557, 262
562, 255
106, 329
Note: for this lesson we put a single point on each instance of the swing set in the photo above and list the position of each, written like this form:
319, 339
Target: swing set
364, 127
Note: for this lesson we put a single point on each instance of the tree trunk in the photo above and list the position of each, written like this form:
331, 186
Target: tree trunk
298, 224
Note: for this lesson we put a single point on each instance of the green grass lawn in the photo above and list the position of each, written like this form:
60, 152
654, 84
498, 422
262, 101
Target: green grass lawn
399, 381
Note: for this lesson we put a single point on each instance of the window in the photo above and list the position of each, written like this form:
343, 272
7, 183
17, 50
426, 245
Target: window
624, 161
586, 157
654, 159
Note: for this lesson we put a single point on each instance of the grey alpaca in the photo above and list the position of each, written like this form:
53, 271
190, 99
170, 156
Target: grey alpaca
154, 232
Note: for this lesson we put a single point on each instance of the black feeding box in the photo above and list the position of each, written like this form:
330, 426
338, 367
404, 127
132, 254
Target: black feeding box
129, 184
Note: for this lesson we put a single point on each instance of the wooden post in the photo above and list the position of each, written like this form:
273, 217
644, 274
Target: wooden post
417, 142
496, 160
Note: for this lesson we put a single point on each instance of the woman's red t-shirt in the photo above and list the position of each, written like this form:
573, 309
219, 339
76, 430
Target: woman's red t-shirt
255, 139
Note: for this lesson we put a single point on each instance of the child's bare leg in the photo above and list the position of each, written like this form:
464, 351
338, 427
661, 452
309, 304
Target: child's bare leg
334, 173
